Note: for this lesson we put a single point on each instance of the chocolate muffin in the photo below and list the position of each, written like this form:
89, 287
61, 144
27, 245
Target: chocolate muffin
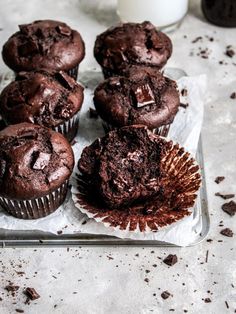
46, 44
133, 175
35, 165
131, 44
51, 100
144, 96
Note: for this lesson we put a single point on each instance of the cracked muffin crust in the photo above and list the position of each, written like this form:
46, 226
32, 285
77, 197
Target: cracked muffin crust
44, 44
144, 96
46, 99
34, 161
131, 44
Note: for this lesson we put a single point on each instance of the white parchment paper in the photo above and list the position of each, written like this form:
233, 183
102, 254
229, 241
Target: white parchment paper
185, 130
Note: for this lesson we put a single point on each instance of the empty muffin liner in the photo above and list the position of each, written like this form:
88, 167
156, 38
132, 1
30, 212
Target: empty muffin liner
38, 207
183, 180
69, 128
161, 131
73, 72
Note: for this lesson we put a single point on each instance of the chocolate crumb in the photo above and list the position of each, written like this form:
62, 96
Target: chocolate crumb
227, 305
229, 52
183, 105
93, 113
209, 240
154, 265
59, 232
197, 39
11, 288
20, 311
31, 293
165, 295
73, 142
219, 179
184, 92
224, 196
147, 271
171, 260
227, 232
84, 222
233, 95
229, 208
207, 253
207, 300
146, 280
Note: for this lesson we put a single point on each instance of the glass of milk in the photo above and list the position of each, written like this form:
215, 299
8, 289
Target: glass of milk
164, 14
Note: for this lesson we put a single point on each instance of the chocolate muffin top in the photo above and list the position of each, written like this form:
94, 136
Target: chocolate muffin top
33, 161
45, 44
145, 97
41, 98
131, 44
124, 166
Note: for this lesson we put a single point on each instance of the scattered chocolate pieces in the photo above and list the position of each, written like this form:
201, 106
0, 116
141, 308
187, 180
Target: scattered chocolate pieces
20, 311
11, 288
229, 208
171, 260
233, 95
184, 92
146, 280
224, 196
165, 295
207, 253
209, 240
93, 113
219, 179
207, 300
227, 305
227, 232
32, 293
184, 105
59, 232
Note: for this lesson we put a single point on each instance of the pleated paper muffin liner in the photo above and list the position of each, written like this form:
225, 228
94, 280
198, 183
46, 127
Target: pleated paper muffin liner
73, 72
161, 131
181, 184
69, 128
38, 207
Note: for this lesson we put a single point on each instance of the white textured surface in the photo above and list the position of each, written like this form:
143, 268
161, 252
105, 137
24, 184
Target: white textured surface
117, 285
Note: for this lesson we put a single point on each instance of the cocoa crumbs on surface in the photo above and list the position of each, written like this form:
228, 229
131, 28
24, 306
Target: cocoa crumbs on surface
31, 293
165, 295
171, 260
229, 208
19, 311
207, 300
225, 196
229, 52
219, 179
233, 95
227, 232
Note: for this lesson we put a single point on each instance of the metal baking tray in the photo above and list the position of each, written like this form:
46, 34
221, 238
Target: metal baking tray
17, 238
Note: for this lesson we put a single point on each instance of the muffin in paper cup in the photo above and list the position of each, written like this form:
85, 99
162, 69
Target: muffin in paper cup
142, 96
51, 99
134, 180
35, 166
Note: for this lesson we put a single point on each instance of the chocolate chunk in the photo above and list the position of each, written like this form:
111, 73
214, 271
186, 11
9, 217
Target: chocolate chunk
143, 95
64, 30
32, 293
197, 39
229, 208
184, 92
165, 295
184, 105
2, 167
230, 52
219, 179
93, 113
227, 232
12, 288
170, 260
65, 80
28, 48
225, 196
42, 161
233, 95
207, 300
19, 311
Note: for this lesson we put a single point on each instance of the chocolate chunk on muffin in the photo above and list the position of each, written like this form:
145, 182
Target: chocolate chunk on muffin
132, 165
35, 165
144, 96
47, 99
44, 44
130, 44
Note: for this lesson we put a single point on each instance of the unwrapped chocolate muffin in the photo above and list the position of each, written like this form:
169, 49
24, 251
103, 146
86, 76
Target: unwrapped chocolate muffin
132, 178
130, 44
48, 99
46, 44
143, 96
35, 166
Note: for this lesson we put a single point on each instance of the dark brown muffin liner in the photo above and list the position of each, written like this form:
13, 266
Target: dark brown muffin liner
73, 72
69, 128
38, 207
161, 131
182, 181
